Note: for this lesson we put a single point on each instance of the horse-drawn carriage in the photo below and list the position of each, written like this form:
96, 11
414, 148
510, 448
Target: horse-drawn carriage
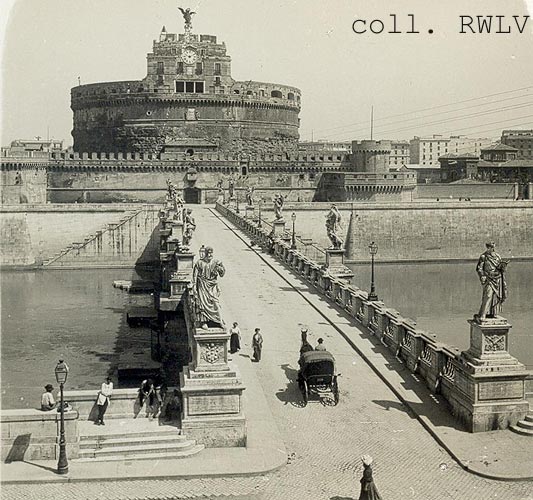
317, 375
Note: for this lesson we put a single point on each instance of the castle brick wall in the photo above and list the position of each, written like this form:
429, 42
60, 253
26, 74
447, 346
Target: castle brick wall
23, 184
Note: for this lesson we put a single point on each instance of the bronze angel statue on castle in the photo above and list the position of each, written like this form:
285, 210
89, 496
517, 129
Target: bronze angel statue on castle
187, 15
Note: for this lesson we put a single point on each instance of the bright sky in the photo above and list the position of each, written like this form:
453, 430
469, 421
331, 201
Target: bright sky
306, 43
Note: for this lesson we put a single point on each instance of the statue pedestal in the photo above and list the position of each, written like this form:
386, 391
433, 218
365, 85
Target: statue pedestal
335, 264
278, 228
183, 274
212, 390
489, 383
177, 228
173, 243
249, 212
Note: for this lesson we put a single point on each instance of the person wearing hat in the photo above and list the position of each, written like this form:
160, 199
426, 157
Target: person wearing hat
47, 399
320, 345
368, 488
103, 400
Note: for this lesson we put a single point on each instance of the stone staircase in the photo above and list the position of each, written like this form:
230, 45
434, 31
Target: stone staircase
524, 427
121, 242
133, 439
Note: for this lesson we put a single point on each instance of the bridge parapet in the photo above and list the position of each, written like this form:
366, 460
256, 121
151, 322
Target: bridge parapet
442, 368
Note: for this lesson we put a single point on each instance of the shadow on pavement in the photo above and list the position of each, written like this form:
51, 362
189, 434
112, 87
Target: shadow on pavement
49, 469
395, 405
291, 394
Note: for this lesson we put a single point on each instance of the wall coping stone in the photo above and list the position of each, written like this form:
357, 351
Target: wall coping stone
35, 415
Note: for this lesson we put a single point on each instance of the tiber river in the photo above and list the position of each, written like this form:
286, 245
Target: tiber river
79, 315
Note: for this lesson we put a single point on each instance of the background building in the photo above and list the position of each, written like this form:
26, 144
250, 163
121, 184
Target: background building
454, 167
399, 154
522, 140
461, 145
32, 148
426, 151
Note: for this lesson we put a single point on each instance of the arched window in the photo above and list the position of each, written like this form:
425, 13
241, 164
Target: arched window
290, 96
276, 93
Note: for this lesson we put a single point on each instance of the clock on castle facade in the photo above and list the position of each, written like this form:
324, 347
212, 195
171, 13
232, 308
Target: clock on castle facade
189, 55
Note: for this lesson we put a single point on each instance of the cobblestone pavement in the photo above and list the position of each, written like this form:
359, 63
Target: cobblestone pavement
324, 442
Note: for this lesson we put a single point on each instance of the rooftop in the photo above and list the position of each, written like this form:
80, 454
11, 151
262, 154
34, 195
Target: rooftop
499, 147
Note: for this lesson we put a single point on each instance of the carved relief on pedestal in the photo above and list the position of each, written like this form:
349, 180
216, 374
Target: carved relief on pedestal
211, 352
494, 342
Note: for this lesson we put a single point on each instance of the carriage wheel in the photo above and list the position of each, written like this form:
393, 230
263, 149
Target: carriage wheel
335, 391
305, 391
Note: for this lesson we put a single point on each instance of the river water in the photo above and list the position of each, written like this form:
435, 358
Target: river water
75, 314
78, 314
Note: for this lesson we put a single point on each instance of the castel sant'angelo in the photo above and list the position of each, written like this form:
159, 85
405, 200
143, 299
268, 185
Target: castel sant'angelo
189, 121
188, 102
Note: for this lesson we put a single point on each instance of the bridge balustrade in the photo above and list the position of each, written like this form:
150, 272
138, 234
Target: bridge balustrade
430, 362
389, 335
326, 285
446, 378
337, 291
411, 347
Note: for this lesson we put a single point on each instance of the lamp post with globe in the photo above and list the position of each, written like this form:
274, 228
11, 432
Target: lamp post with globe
373, 248
61, 372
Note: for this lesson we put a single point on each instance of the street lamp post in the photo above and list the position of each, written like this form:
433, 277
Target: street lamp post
237, 201
259, 223
293, 242
373, 248
61, 372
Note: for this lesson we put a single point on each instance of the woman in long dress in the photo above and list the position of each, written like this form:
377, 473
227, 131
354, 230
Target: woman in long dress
235, 339
368, 488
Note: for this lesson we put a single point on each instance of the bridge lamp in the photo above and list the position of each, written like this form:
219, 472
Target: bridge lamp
293, 242
61, 372
373, 249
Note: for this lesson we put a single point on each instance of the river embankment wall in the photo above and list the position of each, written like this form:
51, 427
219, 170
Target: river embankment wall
32, 234
422, 230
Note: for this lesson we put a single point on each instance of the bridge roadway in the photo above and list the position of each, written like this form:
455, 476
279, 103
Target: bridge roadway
324, 443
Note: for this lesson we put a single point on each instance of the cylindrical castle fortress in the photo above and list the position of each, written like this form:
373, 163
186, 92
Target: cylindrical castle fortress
188, 102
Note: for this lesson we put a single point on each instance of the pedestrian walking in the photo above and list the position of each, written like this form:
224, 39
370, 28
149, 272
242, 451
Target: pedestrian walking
235, 338
102, 401
257, 344
368, 488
